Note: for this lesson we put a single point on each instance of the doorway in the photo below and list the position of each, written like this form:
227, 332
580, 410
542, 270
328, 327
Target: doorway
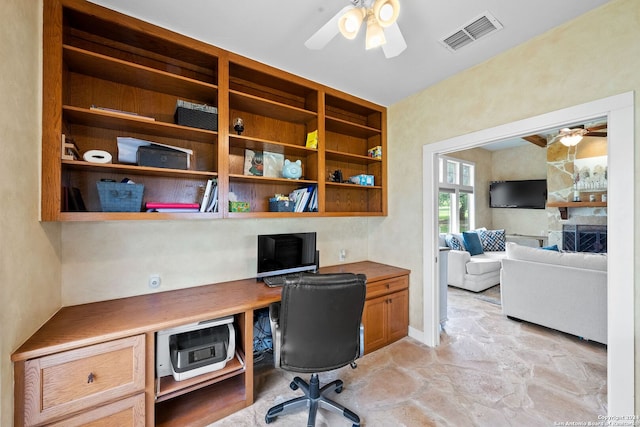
618, 111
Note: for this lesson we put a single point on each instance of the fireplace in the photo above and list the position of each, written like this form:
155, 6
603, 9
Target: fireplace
584, 238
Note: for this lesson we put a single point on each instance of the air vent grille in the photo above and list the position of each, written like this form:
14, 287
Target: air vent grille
477, 28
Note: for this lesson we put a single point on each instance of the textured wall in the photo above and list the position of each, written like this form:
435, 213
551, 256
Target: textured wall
29, 251
553, 71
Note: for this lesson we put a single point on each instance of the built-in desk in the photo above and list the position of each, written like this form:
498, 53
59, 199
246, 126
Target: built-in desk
97, 361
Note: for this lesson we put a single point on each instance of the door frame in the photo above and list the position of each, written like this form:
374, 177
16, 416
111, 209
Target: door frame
619, 113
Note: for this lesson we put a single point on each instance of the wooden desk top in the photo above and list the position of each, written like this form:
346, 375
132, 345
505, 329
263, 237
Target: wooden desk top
86, 324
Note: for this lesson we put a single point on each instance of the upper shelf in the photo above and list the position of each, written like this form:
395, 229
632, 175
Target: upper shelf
116, 70
107, 120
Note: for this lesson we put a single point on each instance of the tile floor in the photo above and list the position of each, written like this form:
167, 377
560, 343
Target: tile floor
488, 371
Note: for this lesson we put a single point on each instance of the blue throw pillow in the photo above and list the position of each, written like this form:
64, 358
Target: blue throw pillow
472, 242
551, 248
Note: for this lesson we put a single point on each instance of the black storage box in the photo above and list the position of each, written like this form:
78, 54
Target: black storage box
160, 157
196, 115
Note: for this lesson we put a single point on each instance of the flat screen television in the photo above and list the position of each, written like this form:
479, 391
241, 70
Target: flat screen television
525, 194
280, 254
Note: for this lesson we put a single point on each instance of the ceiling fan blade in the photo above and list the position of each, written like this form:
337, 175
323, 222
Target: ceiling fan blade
395, 44
599, 134
327, 32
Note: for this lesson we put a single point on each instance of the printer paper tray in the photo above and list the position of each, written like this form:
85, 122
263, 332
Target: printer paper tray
167, 387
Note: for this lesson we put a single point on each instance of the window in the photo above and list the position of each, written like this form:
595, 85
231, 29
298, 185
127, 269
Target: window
455, 195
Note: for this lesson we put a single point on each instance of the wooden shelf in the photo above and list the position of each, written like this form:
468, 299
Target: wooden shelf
351, 158
563, 207
96, 118
576, 204
169, 388
259, 144
136, 170
268, 108
113, 69
343, 126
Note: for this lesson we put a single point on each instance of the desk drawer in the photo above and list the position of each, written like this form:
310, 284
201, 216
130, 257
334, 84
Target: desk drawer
62, 384
383, 287
125, 412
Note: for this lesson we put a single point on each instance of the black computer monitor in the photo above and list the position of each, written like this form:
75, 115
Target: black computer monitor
286, 253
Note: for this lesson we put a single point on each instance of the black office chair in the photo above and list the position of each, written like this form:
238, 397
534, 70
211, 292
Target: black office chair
316, 328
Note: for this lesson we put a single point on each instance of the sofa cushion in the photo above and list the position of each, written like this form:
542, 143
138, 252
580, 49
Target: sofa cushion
481, 264
472, 242
454, 242
492, 240
584, 260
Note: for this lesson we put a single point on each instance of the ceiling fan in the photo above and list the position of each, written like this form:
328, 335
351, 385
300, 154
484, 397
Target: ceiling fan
381, 27
572, 136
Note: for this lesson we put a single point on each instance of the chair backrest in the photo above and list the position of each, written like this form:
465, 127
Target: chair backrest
320, 318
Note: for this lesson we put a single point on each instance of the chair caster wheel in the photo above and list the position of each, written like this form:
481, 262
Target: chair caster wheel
339, 389
293, 386
268, 419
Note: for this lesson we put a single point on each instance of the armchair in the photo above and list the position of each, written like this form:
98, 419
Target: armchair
317, 328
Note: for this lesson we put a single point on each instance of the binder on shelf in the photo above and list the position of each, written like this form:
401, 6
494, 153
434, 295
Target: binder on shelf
210, 198
206, 196
302, 198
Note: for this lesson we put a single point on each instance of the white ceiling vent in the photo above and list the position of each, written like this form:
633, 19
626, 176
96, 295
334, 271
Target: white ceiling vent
477, 28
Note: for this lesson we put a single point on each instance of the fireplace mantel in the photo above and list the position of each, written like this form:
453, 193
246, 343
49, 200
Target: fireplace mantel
563, 206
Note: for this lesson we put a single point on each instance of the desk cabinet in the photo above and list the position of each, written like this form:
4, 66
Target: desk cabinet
386, 312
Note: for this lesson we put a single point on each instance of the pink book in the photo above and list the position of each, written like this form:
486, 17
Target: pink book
162, 205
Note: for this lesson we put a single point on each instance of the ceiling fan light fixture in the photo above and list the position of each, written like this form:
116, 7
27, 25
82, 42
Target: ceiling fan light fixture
350, 22
375, 34
386, 11
571, 137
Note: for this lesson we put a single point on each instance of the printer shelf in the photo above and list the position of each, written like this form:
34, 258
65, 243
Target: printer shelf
168, 388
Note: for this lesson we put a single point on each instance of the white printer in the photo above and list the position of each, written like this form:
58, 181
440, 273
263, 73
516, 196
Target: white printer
190, 350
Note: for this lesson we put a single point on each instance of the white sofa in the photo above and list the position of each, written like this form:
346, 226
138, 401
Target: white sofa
473, 272
560, 290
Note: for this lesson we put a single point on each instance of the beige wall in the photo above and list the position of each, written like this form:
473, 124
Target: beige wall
526, 162
46, 265
29, 251
593, 57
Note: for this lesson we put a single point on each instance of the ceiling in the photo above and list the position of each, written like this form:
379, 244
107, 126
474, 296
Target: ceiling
274, 33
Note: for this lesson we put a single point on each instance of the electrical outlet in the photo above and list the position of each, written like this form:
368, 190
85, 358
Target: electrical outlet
154, 281
342, 255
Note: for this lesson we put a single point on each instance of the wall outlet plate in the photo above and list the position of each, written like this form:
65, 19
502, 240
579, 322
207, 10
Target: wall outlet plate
154, 281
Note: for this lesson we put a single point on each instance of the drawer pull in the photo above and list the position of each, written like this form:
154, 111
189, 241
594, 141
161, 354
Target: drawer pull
90, 378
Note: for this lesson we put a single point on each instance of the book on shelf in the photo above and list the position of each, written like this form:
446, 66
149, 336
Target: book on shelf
121, 113
172, 205
72, 200
175, 210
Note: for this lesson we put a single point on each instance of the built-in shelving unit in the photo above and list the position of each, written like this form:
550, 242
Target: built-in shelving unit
96, 57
